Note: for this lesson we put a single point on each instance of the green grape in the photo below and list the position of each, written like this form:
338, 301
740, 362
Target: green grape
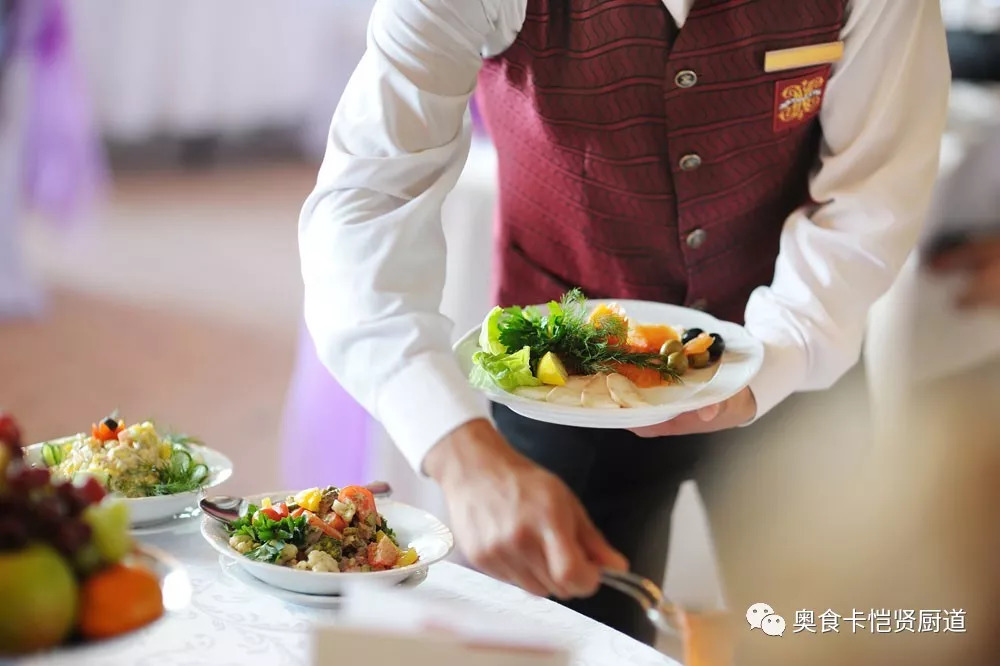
109, 522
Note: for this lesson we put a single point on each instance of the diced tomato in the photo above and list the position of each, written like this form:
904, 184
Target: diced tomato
322, 525
275, 511
371, 554
362, 498
386, 553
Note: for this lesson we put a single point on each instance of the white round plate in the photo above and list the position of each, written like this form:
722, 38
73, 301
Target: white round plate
698, 388
148, 511
413, 527
233, 569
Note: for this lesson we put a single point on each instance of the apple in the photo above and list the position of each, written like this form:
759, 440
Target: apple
40, 597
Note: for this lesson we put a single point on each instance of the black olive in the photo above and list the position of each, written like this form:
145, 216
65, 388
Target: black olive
111, 423
718, 346
691, 334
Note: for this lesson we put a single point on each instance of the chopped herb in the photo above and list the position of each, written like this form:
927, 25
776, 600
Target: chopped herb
269, 551
566, 331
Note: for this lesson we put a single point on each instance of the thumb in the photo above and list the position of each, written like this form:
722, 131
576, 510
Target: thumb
597, 547
710, 413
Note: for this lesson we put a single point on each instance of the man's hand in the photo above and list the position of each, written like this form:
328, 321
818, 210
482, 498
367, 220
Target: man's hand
981, 260
515, 520
737, 411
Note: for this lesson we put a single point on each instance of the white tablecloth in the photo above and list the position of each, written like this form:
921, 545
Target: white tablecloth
228, 624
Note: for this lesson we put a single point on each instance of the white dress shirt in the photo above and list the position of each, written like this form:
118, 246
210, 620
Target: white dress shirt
373, 252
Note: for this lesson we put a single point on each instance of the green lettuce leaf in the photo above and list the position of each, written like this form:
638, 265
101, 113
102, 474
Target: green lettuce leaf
508, 371
489, 336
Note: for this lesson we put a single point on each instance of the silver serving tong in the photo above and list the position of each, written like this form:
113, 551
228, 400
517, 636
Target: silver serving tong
660, 612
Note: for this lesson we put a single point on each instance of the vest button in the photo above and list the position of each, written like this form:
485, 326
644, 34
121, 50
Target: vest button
699, 304
696, 238
686, 79
690, 162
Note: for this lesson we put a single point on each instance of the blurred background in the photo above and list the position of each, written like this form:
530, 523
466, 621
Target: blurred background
153, 160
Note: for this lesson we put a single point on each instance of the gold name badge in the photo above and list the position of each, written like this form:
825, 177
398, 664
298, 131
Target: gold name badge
803, 56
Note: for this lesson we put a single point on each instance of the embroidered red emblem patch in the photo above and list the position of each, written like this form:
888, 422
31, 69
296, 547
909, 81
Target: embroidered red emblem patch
798, 100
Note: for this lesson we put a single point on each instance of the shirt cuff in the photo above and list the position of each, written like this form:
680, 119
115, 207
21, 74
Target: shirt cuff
783, 371
425, 401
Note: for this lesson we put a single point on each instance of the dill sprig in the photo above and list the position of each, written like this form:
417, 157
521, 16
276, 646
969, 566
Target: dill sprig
566, 331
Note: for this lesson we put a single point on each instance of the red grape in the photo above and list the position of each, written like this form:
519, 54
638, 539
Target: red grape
22, 478
91, 491
70, 535
13, 533
50, 510
9, 432
71, 497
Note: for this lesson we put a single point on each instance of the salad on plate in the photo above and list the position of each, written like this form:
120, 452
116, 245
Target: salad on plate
324, 530
130, 461
569, 354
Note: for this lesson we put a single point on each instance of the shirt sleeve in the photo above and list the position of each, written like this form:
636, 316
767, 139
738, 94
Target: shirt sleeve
883, 115
371, 243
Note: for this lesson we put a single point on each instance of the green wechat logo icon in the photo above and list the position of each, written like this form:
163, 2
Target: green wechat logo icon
762, 616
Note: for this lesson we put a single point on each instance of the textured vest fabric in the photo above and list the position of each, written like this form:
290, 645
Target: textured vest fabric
592, 127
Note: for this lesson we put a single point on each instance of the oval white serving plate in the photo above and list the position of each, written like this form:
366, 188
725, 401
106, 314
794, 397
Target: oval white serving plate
144, 511
233, 570
699, 388
413, 527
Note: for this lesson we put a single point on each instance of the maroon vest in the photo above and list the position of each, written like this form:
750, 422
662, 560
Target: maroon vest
639, 161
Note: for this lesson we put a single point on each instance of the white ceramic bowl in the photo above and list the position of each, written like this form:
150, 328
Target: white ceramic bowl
699, 388
413, 527
144, 511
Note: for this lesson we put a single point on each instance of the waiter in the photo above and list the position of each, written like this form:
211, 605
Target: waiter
766, 161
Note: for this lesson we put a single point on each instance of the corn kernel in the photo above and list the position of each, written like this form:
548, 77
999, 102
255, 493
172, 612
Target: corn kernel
266, 502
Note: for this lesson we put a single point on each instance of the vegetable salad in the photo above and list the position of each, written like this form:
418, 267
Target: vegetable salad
331, 530
570, 355
130, 461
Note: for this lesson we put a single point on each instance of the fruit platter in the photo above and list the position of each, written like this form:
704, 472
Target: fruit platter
157, 474
70, 572
607, 364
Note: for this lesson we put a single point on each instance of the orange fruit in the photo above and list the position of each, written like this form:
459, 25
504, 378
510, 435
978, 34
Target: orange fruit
610, 317
117, 600
699, 345
641, 377
650, 337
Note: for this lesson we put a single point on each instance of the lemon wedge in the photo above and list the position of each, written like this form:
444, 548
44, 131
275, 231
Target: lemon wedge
551, 370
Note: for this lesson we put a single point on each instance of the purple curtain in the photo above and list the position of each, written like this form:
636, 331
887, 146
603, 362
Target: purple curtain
64, 166
325, 435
